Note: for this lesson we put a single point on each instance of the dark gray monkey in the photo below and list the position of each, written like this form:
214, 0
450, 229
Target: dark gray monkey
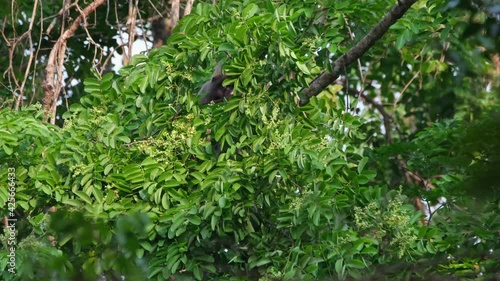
213, 89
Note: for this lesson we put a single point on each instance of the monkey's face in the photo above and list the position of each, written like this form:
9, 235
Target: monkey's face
221, 92
216, 91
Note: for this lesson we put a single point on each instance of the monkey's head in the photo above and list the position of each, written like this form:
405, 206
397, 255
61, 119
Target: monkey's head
214, 89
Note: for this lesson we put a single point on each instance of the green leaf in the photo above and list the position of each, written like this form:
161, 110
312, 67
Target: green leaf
8, 150
339, 161
107, 77
250, 10
339, 268
262, 262
369, 174
356, 263
84, 196
222, 202
403, 38
362, 164
371, 251
430, 248
194, 219
197, 272
303, 67
71, 202
86, 178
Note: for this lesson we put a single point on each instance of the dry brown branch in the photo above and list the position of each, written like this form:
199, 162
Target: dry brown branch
51, 87
189, 7
91, 40
30, 59
174, 16
110, 56
2, 31
61, 14
131, 21
119, 29
152, 18
35, 73
326, 78
15, 84
143, 31
9, 72
396, 101
158, 13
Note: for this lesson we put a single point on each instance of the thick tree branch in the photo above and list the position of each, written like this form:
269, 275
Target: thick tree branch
174, 16
326, 78
189, 7
133, 10
51, 87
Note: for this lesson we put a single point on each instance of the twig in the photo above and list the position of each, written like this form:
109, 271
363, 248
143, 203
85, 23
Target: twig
143, 32
119, 29
405, 88
110, 56
30, 60
91, 40
12, 44
154, 8
60, 14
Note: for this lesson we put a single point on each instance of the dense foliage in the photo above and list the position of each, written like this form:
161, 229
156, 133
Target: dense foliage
151, 185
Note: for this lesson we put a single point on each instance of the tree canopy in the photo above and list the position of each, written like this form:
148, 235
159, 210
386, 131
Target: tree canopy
361, 140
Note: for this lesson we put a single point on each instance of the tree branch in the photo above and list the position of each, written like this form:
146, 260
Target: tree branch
189, 7
326, 78
174, 16
56, 59
133, 10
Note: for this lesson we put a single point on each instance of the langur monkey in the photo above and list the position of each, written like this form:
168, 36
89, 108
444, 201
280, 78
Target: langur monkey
213, 89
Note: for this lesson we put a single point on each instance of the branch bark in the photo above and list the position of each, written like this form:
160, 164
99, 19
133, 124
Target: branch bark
174, 16
326, 78
132, 18
189, 7
51, 87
